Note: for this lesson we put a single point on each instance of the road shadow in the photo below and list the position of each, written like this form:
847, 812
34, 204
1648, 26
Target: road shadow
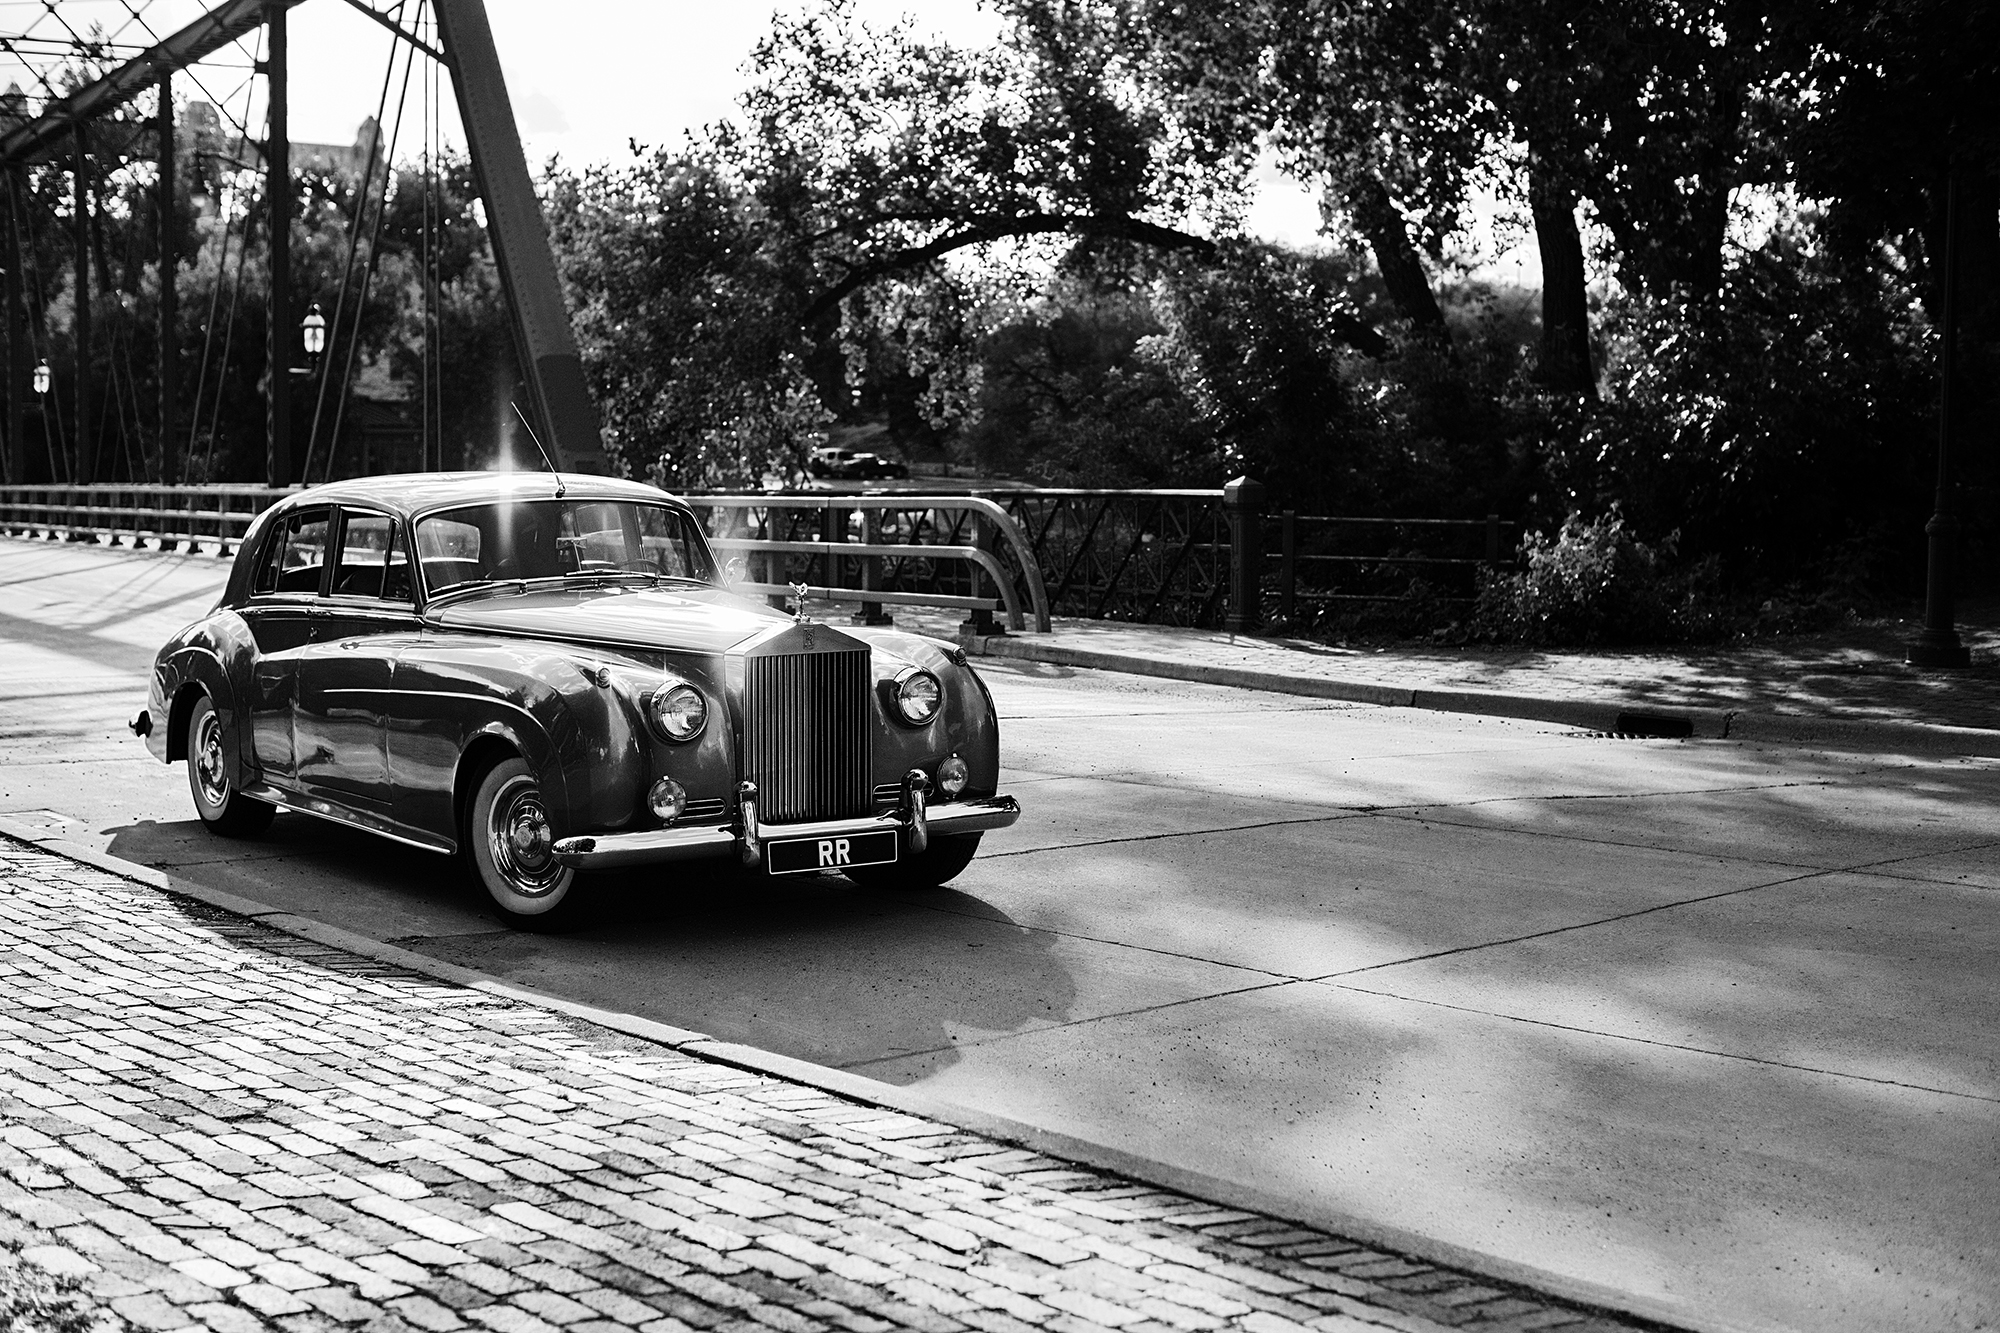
810, 966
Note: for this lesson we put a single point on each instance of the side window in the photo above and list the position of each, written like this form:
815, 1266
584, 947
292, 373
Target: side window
295, 556
396, 576
305, 552
364, 555
273, 562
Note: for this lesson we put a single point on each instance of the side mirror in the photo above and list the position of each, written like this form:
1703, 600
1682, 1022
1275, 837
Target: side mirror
733, 571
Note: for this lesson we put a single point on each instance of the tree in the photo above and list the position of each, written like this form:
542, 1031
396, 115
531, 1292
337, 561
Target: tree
873, 153
1371, 100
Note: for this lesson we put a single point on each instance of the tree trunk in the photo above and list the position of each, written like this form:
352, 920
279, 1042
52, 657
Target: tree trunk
1565, 349
1374, 213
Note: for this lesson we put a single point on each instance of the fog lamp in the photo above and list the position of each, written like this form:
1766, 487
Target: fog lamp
678, 711
667, 799
953, 775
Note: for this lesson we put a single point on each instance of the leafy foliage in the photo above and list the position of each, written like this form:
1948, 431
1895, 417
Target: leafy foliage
1594, 583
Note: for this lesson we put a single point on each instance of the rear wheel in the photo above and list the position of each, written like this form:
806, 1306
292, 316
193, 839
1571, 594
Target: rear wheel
511, 845
937, 864
222, 808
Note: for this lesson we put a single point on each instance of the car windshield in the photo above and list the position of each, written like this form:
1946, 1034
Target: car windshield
547, 539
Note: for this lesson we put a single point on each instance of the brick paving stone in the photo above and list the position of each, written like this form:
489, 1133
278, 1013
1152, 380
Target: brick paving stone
219, 1126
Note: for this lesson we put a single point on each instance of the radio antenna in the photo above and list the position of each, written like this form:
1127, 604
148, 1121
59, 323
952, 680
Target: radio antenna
529, 427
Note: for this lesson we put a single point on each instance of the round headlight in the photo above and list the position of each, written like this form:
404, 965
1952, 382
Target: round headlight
678, 711
918, 696
953, 774
667, 800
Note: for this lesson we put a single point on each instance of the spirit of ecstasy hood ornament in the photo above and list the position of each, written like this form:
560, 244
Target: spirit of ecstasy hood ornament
798, 601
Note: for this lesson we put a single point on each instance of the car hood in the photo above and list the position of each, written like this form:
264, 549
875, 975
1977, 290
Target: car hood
688, 619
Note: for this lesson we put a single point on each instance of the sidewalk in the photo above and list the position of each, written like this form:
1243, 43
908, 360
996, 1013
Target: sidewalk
1846, 686
207, 1123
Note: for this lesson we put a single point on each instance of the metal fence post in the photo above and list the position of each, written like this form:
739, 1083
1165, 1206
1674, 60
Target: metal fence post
870, 613
1288, 565
1493, 539
774, 562
1243, 502
979, 623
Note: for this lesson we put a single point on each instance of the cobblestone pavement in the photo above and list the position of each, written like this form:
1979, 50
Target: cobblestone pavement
205, 1123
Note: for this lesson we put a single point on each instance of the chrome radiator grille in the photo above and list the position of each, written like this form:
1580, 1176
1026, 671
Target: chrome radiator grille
806, 735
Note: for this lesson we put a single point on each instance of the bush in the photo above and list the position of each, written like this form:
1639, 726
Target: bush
1594, 583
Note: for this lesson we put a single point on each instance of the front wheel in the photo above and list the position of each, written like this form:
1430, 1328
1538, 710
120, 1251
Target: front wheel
222, 808
937, 864
511, 845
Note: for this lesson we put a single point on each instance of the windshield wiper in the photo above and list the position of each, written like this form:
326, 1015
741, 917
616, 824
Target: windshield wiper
575, 574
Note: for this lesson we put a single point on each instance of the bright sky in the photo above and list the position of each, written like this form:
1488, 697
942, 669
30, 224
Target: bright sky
585, 76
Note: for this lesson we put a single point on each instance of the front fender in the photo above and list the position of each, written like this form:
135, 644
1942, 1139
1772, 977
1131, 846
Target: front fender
966, 725
462, 703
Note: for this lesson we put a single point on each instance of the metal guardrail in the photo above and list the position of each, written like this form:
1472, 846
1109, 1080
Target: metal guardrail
1329, 561
955, 550
187, 517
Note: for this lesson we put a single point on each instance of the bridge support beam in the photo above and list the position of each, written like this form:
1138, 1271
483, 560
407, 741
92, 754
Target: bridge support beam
17, 337
278, 200
83, 466
542, 336
170, 310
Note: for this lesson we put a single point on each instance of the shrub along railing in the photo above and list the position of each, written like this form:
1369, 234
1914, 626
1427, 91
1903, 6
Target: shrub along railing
1173, 557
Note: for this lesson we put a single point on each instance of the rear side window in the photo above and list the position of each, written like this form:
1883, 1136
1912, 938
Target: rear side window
296, 557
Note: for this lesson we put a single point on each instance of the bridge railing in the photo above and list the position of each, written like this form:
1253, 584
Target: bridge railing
187, 517
1334, 563
1174, 557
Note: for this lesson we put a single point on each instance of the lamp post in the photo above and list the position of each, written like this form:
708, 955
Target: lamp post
1939, 645
41, 380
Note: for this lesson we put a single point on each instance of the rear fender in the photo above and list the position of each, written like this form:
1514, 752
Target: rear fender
206, 658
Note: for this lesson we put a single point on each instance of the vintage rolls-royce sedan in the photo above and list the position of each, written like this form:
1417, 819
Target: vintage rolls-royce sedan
548, 674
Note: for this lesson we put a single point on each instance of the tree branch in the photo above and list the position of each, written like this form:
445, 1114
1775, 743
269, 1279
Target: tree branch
995, 229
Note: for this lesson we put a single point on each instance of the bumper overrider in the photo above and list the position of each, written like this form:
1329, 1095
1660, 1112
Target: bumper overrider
915, 818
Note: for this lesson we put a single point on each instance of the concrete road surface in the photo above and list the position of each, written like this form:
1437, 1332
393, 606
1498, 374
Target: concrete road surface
1710, 1024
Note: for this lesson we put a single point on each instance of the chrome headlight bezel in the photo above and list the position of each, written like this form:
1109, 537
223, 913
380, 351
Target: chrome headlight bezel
918, 696
677, 711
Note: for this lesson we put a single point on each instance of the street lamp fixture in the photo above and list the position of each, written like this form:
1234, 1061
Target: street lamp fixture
312, 332
42, 377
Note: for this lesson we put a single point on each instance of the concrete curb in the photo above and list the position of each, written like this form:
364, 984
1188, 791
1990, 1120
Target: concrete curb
1666, 1313
1638, 718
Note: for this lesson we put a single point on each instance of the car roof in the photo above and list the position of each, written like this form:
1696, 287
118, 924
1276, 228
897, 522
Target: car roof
416, 492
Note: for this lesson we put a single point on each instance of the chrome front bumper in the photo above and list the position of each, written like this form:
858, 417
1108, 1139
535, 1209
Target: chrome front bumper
915, 818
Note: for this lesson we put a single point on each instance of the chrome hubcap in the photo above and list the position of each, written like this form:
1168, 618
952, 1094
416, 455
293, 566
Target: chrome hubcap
208, 770
522, 840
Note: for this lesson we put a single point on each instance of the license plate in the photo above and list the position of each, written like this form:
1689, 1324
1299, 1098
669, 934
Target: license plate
798, 856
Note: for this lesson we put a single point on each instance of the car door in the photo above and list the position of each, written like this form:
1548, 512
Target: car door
346, 672
283, 593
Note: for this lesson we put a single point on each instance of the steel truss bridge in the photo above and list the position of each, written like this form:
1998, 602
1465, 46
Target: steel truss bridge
93, 124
